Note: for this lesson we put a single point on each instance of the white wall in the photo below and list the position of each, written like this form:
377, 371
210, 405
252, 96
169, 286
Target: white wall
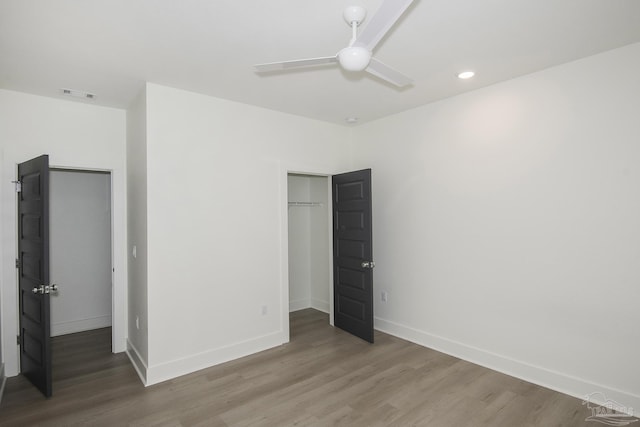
75, 135
2, 211
321, 249
216, 183
80, 248
309, 230
507, 225
299, 243
138, 334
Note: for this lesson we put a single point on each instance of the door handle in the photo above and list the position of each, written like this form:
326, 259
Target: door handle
368, 264
42, 289
45, 289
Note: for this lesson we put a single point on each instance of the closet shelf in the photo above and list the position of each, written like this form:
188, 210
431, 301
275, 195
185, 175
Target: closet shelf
307, 204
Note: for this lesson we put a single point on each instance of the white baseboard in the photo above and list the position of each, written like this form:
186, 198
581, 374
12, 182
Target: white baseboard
137, 361
80, 325
3, 381
196, 362
300, 304
557, 381
320, 305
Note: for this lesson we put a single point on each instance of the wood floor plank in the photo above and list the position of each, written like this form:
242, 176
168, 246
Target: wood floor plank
323, 377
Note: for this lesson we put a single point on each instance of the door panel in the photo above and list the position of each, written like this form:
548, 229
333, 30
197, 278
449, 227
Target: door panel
352, 246
33, 253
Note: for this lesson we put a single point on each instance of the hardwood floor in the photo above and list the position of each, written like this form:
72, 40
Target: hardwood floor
322, 377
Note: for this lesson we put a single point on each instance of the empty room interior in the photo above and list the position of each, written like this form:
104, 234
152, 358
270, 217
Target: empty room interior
436, 224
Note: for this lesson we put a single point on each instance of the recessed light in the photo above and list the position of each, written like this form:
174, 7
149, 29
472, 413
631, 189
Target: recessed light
351, 120
466, 75
77, 93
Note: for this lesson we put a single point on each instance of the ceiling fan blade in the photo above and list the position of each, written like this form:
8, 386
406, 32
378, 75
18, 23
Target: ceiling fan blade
387, 73
298, 63
381, 22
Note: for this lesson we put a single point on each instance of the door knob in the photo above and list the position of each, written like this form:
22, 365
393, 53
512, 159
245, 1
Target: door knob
42, 289
45, 289
368, 264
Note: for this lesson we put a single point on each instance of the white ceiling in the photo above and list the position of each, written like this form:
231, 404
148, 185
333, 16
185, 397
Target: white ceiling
111, 47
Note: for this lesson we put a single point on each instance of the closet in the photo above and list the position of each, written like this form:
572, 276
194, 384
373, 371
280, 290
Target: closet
309, 222
80, 250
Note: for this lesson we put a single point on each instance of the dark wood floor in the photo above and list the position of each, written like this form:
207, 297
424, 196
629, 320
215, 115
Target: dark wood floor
323, 377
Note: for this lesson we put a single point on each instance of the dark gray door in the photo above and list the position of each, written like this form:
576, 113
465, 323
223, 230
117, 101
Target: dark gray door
353, 253
33, 277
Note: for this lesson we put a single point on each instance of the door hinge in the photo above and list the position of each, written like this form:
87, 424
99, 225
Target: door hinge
17, 263
18, 340
18, 186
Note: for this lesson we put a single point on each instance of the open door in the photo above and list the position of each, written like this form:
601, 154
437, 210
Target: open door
33, 272
353, 253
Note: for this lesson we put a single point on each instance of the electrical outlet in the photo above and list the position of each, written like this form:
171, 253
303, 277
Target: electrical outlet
384, 296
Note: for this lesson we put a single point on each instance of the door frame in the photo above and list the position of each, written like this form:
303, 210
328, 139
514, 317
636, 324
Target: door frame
118, 293
111, 214
10, 302
284, 240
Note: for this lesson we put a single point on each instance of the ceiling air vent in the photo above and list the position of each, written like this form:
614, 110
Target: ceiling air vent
78, 93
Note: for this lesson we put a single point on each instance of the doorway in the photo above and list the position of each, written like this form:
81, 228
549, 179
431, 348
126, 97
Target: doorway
331, 244
309, 242
30, 264
80, 250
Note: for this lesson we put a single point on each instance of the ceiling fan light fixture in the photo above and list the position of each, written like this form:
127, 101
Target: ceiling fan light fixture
354, 58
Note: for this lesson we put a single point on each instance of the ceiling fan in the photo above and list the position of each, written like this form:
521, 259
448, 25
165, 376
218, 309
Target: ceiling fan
358, 55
